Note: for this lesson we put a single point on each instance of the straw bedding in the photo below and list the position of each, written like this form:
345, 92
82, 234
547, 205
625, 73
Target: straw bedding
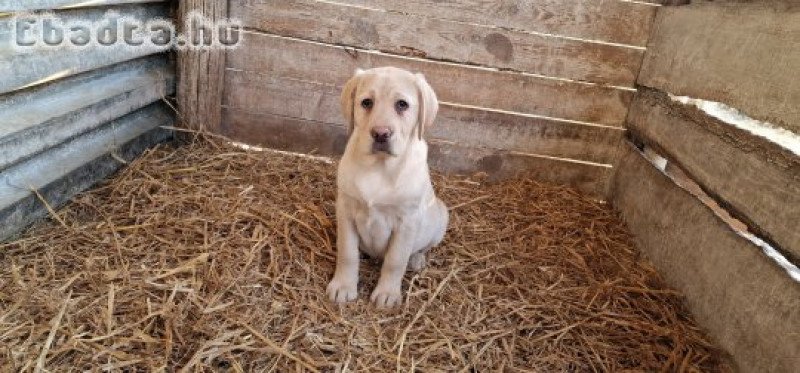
206, 257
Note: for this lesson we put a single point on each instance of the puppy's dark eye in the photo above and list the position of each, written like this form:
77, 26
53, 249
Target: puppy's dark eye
401, 106
366, 103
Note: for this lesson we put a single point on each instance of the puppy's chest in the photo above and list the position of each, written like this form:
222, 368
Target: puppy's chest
375, 225
379, 195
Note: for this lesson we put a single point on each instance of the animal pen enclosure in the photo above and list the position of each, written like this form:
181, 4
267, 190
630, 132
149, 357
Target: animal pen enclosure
200, 255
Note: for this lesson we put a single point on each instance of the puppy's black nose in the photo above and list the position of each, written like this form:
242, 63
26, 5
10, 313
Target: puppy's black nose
381, 134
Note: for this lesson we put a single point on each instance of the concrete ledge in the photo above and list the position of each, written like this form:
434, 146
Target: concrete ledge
61, 172
37, 120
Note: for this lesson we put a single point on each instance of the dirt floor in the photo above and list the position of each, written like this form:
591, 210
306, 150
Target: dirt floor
207, 257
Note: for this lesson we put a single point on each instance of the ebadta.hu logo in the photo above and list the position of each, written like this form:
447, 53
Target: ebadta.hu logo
48, 30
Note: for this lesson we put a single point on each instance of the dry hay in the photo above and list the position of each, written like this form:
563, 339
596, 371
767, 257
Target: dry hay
207, 257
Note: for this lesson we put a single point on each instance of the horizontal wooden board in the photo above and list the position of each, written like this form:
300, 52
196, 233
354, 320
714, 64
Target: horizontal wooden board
307, 136
757, 180
39, 119
24, 69
26, 5
284, 132
748, 304
500, 164
292, 58
747, 57
606, 20
436, 38
500, 130
260, 93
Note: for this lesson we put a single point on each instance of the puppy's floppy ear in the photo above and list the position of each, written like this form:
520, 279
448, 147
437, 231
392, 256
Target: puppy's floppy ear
428, 104
348, 98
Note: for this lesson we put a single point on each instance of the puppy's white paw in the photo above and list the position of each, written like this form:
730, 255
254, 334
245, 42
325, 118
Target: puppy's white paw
342, 291
387, 297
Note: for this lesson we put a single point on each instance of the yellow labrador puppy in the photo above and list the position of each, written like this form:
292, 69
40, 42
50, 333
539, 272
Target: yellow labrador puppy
385, 205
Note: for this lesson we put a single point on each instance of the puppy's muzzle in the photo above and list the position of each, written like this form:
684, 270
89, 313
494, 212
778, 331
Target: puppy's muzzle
381, 137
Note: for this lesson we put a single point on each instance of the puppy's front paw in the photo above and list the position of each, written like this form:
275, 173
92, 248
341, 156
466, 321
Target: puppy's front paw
387, 297
342, 291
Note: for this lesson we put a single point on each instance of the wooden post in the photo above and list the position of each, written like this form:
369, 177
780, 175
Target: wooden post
201, 72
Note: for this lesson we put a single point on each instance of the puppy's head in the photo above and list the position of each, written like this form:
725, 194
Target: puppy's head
387, 109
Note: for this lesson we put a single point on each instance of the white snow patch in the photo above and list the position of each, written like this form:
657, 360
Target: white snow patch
780, 136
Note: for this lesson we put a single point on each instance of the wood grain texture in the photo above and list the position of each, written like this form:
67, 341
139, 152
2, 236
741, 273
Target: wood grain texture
606, 20
756, 179
201, 72
435, 38
749, 305
315, 101
307, 136
454, 83
747, 57
501, 164
499, 130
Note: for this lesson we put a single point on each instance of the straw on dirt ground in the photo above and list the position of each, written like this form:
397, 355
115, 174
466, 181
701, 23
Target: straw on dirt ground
207, 257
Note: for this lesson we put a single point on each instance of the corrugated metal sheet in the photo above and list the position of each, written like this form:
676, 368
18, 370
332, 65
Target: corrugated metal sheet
27, 5
68, 116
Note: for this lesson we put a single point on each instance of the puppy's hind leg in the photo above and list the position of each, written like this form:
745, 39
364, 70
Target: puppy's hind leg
417, 261
442, 217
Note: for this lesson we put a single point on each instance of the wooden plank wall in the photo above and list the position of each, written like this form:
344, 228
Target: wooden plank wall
747, 57
742, 55
71, 117
725, 62
757, 180
539, 88
201, 71
749, 306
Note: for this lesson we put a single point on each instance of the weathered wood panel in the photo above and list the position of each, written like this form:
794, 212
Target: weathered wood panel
455, 83
315, 101
285, 133
63, 171
26, 5
307, 136
22, 70
605, 20
758, 180
41, 118
201, 72
746, 55
513, 132
452, 158
749, 305
435, 38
